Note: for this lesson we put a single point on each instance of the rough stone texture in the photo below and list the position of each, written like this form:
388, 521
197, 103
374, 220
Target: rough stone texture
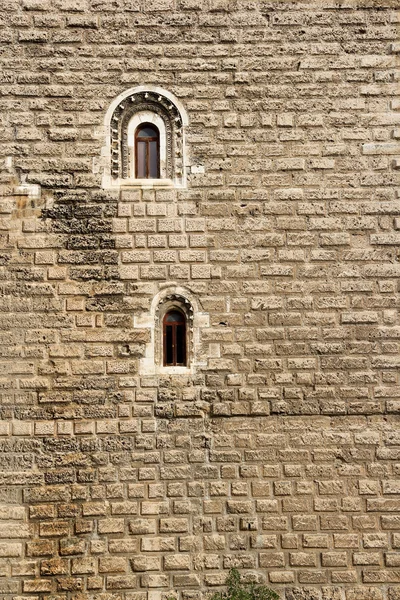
281, 455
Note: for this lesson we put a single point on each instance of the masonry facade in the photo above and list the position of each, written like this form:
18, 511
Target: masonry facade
273, 227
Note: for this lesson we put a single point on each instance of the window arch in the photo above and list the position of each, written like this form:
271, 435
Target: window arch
161, 110
174, 338
147, 151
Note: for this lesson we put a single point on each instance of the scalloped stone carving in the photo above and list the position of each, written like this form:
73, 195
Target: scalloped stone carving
168, 112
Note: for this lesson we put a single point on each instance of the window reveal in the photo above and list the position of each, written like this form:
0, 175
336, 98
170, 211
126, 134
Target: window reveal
174, 339
147, 152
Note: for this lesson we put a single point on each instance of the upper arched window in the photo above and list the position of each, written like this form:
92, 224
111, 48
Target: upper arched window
147, 151
145, 140
174, 339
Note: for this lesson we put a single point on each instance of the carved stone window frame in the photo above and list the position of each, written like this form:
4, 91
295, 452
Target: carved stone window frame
167, 304
172, 296
156, 105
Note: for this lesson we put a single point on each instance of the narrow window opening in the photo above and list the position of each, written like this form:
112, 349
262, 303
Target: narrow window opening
174, 339
147, 151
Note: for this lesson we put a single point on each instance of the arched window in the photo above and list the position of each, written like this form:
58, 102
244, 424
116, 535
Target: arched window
174, 339
145, 140
147, 151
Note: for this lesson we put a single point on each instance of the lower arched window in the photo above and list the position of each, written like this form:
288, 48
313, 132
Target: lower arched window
174, 339
147, 151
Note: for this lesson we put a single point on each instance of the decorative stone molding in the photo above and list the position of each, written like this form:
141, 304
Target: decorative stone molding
137, 105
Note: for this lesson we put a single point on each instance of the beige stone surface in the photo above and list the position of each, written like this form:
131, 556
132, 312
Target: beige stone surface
277, 450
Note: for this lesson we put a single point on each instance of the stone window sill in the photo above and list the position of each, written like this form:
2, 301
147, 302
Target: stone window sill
141, 184
174, 370
147, 183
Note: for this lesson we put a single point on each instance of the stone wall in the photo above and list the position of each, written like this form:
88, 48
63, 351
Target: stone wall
279, 452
